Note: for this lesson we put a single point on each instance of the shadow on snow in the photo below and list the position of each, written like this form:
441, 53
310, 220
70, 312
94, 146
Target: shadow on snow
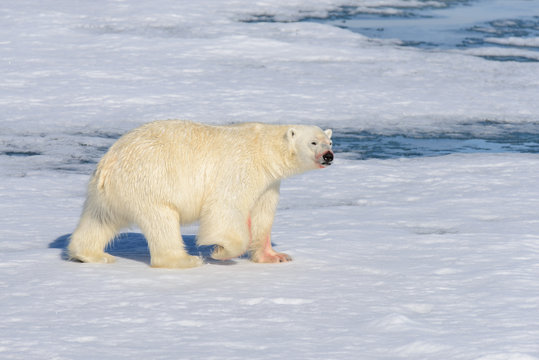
133, 246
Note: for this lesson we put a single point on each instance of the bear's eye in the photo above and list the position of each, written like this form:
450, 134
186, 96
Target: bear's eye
331, 143
314, 143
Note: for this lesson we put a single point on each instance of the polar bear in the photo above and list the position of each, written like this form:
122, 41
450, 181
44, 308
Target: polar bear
173, 172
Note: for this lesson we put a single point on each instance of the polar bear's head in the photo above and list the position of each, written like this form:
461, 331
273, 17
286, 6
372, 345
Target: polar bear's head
311, 145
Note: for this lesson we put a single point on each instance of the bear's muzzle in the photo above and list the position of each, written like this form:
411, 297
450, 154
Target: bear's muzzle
327, 157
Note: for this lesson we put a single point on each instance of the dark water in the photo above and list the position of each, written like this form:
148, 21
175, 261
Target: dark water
508, 24
489, 137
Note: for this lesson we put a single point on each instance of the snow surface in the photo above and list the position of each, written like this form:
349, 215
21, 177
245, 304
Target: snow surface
426, 258
514, 41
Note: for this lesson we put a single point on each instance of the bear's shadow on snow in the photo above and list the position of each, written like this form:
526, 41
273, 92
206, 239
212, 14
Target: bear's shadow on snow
133, 246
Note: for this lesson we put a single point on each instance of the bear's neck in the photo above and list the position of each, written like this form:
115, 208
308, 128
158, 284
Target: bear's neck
279, 161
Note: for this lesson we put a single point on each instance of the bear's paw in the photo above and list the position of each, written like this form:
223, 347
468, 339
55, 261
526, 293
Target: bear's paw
100, 258
176, 262
271, 257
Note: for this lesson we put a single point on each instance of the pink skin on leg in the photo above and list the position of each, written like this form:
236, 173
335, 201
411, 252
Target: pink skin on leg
250, 232
268, 255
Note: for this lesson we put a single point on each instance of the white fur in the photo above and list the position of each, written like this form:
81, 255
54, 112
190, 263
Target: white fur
168, 173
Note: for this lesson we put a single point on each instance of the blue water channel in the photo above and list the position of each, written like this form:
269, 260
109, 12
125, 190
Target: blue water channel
477, 137
509, 24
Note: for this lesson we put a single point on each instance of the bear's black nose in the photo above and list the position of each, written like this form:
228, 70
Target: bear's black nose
328, 157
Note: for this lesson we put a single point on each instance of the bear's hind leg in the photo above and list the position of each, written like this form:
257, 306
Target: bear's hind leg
234, 249
229, 234
162, 231
88, 241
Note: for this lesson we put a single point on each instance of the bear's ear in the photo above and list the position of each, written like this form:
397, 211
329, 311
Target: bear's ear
291, 134
328, 133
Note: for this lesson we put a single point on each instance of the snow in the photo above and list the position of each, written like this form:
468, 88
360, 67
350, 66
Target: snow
420, 258
514, 41
425, 258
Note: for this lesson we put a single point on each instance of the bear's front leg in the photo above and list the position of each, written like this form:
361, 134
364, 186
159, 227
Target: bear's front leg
266, 254
260, 224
